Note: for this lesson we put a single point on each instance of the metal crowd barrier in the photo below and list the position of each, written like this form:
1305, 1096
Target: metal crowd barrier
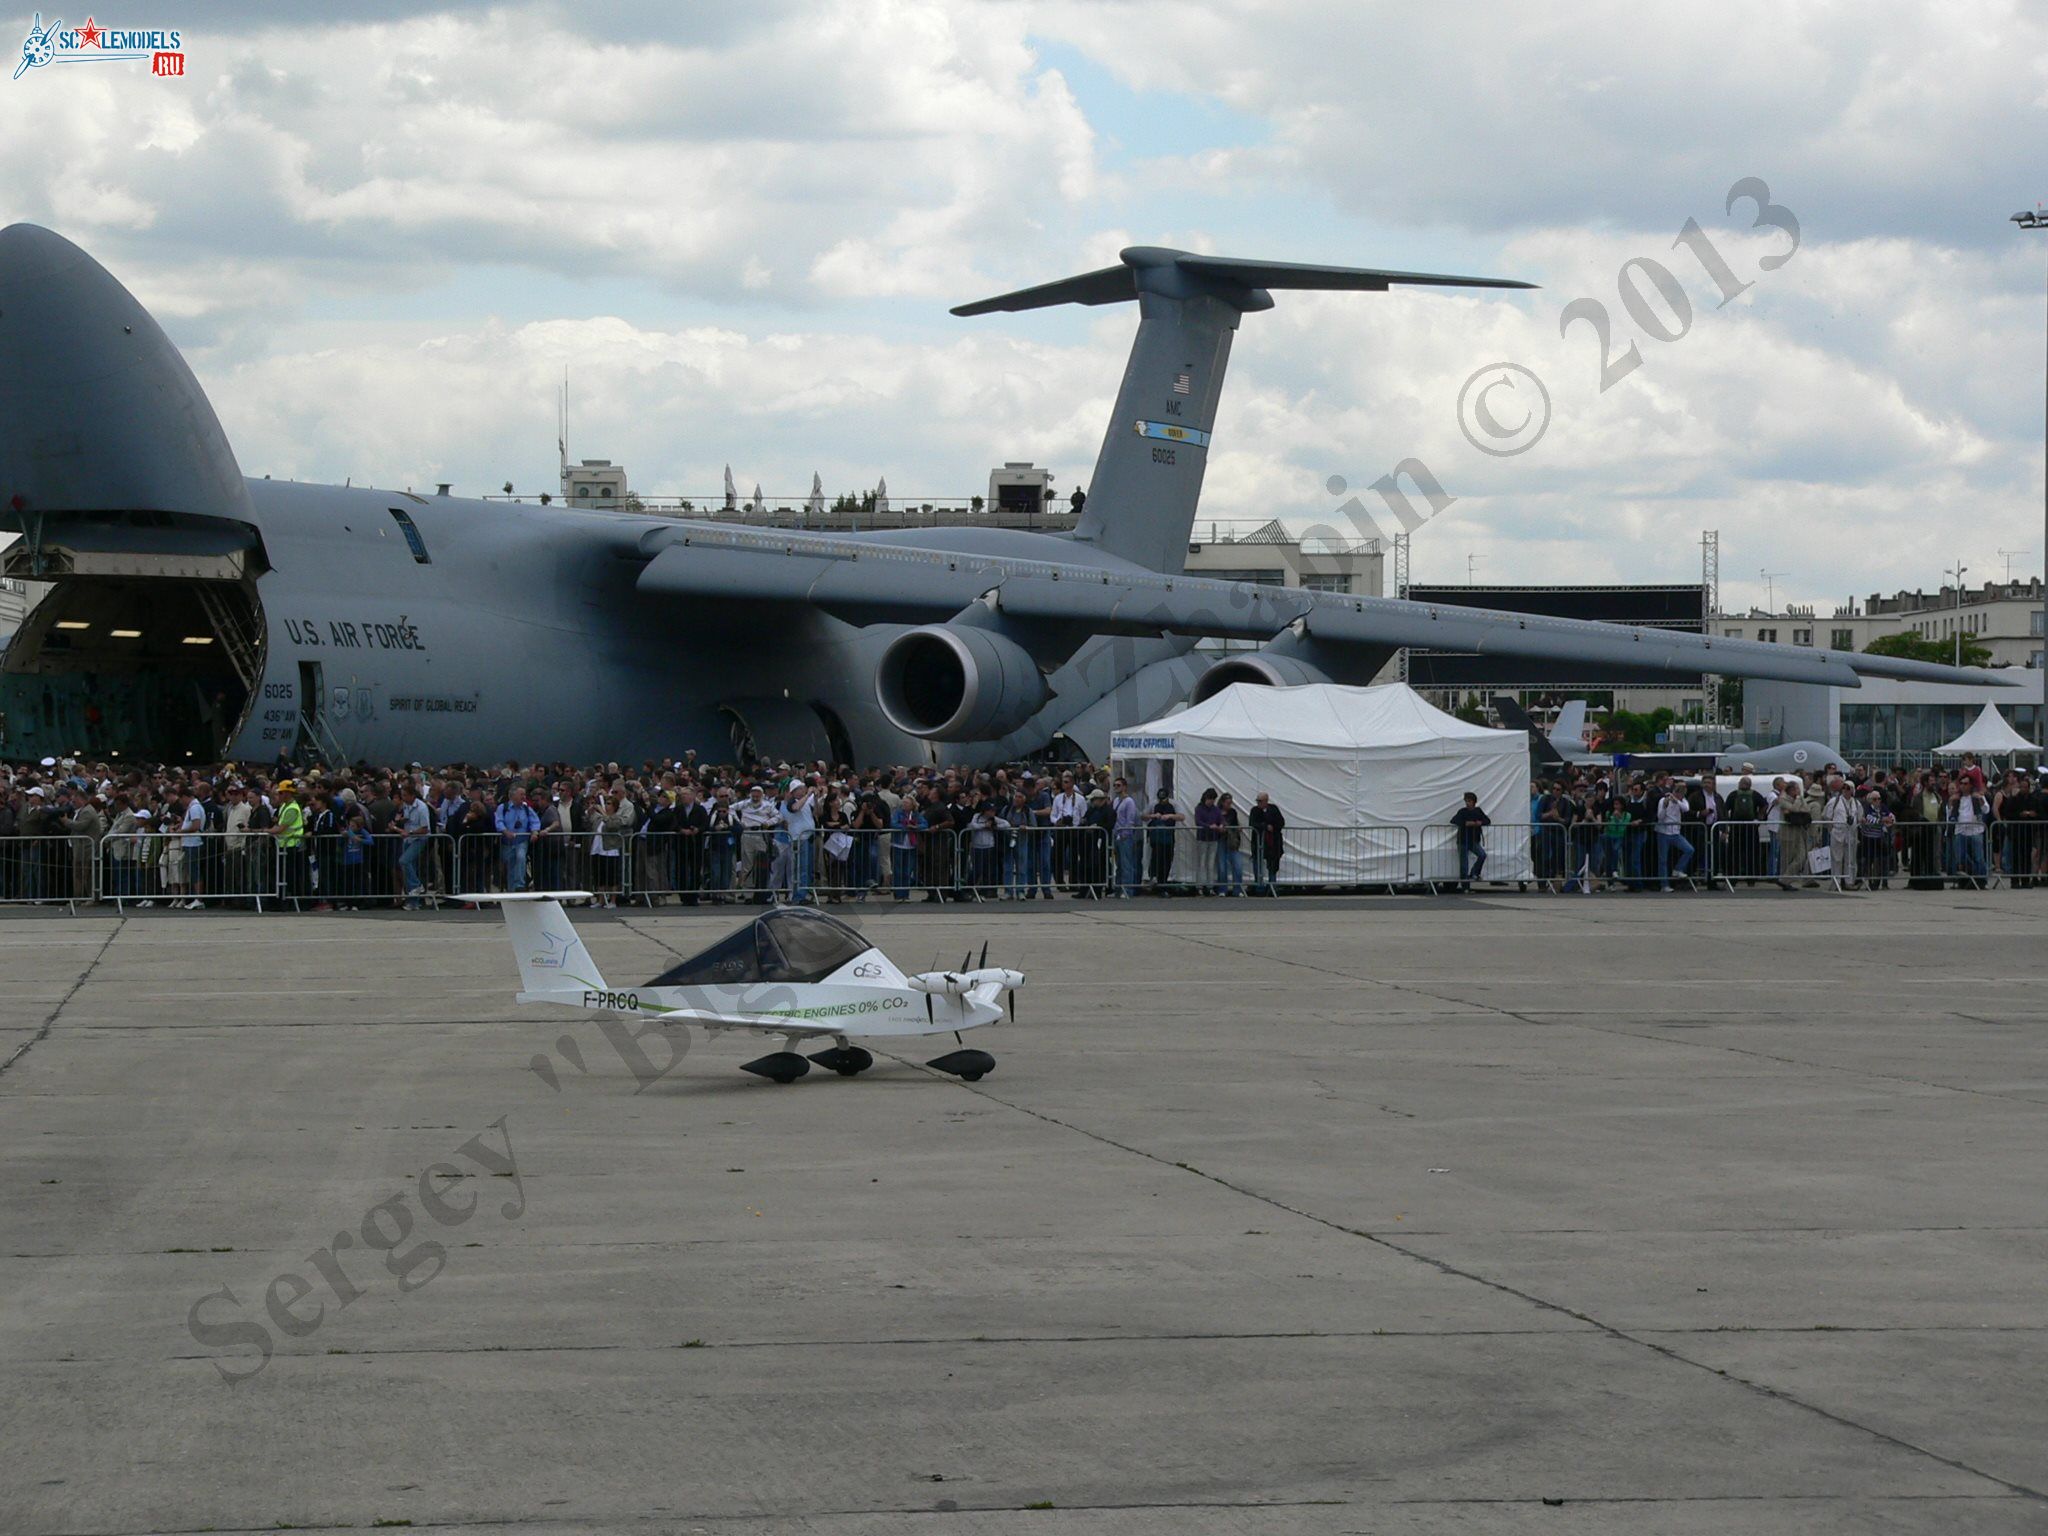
484, 861
47, 867
1505, 853
172, 867
1021, 863
167, 866
1356, 856
688, 866
158, 865
2019, 852
377, 869
850, 863
349, 870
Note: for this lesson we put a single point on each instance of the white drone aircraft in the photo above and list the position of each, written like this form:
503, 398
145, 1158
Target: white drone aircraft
790, 972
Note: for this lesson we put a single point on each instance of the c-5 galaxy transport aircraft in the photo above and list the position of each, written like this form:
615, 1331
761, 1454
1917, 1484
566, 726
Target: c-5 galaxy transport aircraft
199, 612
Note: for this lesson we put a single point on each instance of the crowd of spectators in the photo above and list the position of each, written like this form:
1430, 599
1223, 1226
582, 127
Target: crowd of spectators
1845, 826
343, 838
351, 837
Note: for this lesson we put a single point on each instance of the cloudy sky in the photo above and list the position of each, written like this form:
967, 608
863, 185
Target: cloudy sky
380, 241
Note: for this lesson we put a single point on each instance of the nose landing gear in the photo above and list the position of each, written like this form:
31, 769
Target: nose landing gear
967, 1064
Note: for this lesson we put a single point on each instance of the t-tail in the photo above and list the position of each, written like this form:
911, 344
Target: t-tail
554, 967
1148, 477
1569, 733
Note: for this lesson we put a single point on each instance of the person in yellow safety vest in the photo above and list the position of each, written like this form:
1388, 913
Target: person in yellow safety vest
290, 833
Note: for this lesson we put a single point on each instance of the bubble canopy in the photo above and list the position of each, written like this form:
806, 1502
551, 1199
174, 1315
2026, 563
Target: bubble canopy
787, 944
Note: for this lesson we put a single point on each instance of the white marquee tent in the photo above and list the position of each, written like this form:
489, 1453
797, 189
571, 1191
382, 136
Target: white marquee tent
1989, 735
1366, 777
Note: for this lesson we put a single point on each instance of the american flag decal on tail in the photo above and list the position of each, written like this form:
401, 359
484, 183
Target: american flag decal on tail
1182, 383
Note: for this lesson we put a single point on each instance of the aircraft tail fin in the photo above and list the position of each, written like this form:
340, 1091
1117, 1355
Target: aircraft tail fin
1148, 477
553, 964
1569, 734
1516, 718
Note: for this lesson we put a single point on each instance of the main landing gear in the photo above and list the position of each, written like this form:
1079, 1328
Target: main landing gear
850, 1061
846, 1060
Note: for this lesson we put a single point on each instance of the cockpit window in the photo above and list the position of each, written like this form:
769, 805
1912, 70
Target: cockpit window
787, 944
413, 541
813, 945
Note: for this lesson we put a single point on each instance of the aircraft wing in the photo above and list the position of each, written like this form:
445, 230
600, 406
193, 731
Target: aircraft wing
766, 1023
870, 581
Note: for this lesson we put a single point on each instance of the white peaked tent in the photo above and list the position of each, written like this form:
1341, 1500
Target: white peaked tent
1988, 736
732, 495
1366, 777
815, 507
882, 494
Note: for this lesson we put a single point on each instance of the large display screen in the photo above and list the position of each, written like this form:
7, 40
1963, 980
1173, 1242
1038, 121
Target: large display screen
1660, 607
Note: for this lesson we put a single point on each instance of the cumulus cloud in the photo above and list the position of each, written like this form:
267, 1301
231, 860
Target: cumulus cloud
382, 237
809, 152
1887, 117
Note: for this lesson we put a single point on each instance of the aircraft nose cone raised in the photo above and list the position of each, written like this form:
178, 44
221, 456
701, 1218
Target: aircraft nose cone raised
98, 412
31, 255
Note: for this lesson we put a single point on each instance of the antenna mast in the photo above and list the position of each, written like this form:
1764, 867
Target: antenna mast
1710, 603
562, 434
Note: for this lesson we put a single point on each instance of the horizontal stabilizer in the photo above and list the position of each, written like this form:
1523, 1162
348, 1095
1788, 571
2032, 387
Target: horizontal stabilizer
482, 898
1301, 274
1108, 285
1235, 280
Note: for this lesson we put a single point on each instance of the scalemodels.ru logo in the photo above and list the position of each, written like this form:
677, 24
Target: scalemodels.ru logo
92, 43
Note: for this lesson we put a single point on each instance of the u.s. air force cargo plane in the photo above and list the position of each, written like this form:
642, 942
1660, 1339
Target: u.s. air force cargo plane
790, 972
198, 611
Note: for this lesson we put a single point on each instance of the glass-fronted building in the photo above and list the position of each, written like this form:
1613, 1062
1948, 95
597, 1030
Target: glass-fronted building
1882, 730
1886, 720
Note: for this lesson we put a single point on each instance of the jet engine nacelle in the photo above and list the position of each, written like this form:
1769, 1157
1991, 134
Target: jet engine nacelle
958, 683
1292, 661
1262, 667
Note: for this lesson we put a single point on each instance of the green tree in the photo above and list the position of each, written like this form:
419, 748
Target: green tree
1631, 732
1911, 647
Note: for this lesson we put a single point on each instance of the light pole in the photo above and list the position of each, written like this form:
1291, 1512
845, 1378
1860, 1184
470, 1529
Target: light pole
1958, 570
2035, 218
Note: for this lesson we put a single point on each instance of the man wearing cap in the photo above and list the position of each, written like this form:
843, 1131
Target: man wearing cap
517, 826
38, 823
759, 817
236, 874
1069, 805
290, 833
415, 824
86, 827
192, 838
1741, 828
10, 830
122, 847
799, 823
1125, 810
1037, 840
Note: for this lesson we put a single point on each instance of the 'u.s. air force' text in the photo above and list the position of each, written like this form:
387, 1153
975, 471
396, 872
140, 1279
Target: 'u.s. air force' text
368, 635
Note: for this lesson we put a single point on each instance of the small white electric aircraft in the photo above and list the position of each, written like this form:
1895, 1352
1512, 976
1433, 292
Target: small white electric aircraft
791, 972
